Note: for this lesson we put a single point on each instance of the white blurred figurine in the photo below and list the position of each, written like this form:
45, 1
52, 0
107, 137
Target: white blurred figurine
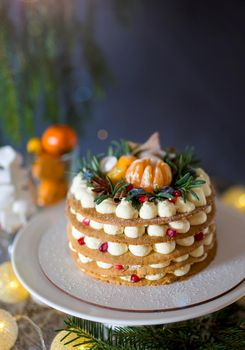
15, 199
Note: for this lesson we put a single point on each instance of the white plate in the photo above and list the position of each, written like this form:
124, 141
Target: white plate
222, 291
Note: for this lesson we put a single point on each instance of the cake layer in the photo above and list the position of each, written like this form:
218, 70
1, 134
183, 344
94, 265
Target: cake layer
112, 219
101, 268
178, 275
149, 235
169, 250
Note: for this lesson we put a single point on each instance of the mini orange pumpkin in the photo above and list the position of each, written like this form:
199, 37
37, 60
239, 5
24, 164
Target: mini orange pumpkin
145, 174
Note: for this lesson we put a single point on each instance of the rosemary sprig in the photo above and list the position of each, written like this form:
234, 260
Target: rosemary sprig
186, 183
90, 166
119, 148
183, 162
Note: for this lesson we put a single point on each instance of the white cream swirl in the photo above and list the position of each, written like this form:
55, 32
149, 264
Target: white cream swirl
181, 226
108, 206
198, 218
184, 206
139, 250
157, 230
164, 248
134, 231
185, 241
197, 252
92, 243
113, 229
148, 210
117, 248
166, 208
182, 270
125, 210
75, 233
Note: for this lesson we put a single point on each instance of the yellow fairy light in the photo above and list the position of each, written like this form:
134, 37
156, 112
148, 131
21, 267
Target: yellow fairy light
11, 290
235, 196
8, 330
58, 344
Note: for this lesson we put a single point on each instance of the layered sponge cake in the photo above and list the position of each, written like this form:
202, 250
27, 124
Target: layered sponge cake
141, 215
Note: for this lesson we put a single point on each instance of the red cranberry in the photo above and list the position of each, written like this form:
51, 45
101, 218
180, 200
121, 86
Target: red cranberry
129, 187
177, 193
171, 233
118, 267
199, 236
86, 222
173, 200
104, 247
134, 278
143, 198
81, 241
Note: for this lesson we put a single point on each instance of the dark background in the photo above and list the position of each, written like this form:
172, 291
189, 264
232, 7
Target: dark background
173, 66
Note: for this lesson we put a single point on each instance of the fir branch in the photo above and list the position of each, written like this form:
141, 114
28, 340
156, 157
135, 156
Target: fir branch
218, 331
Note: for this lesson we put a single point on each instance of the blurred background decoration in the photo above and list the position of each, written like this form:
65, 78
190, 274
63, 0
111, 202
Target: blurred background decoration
50, 66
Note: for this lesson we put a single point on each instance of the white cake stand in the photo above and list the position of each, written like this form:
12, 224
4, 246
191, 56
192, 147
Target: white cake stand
42, 263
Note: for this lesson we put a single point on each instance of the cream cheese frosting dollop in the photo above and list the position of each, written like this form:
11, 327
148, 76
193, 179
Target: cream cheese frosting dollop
108, 206
77, 183
139, 250
71, 247
113, 229
201, 197
186, 241
96, 225
134, 231
92, 243
103, 265
166, 208
117, 248
197, 252
184, 206
87, 199
148, 210
181, 226
155, 277
164, 248
182, 258
182, 270
75, 233
208, 240
157, 230
84, 259
198, 218
203, 175
125, 210
160, 265
79, 217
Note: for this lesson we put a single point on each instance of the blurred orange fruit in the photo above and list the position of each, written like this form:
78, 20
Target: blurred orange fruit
118, 172
147, 175
48, 167
59, 139
50, 191
34, 145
